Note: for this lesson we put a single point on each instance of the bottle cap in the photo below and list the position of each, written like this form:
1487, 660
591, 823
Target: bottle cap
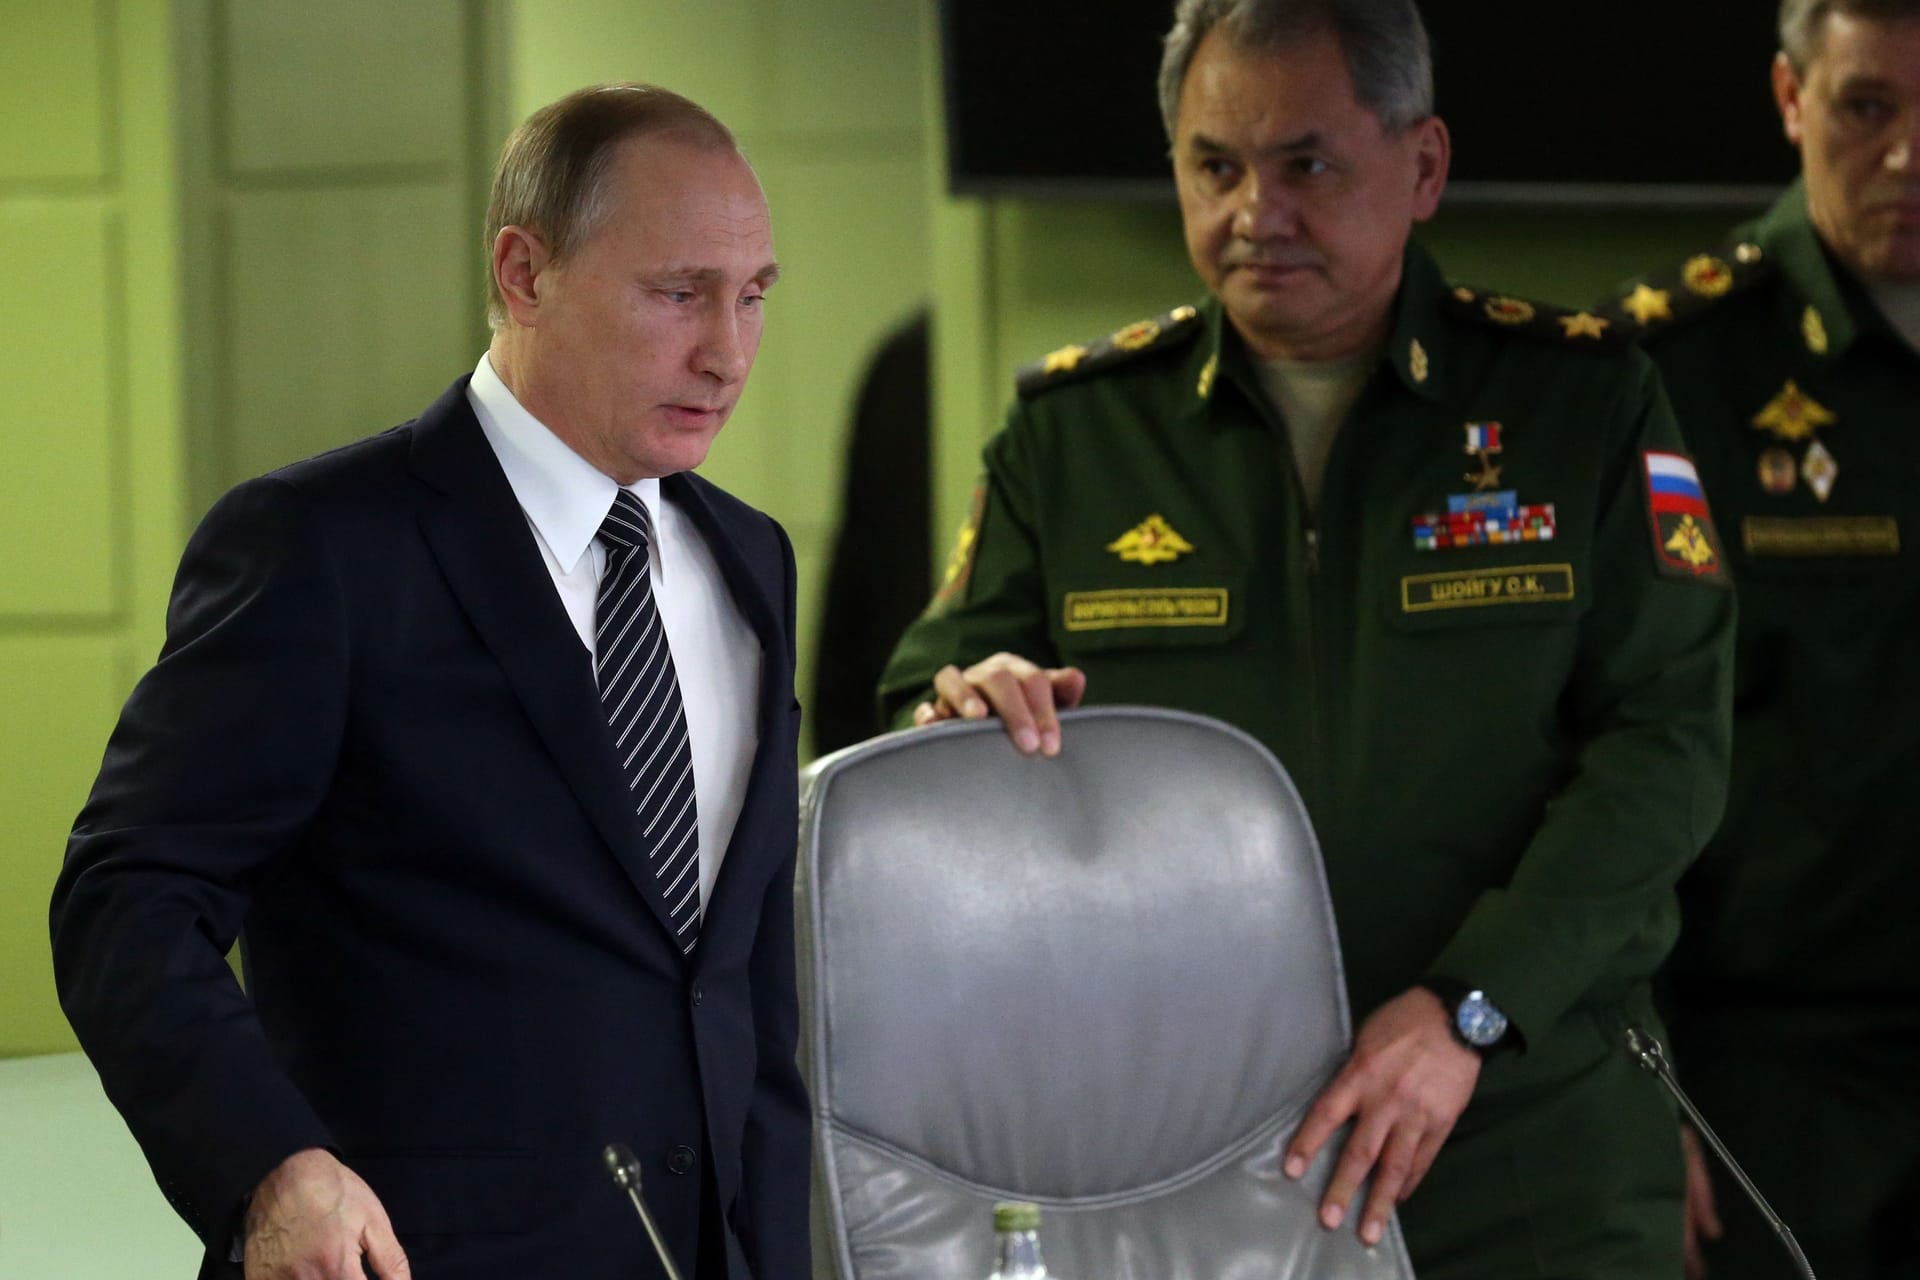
1016, 1215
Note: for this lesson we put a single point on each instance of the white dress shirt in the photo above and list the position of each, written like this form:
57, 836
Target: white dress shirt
715, 653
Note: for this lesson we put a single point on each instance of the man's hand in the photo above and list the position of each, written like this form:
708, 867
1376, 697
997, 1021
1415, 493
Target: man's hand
1026, 696
1702, 1216
312, 1218
1406, 1083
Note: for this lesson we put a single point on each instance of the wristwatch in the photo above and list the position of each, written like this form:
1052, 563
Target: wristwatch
1475, 1019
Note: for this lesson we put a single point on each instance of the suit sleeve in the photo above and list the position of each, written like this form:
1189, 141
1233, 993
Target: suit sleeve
778, 1143
221, 755
1649, 699
992, 596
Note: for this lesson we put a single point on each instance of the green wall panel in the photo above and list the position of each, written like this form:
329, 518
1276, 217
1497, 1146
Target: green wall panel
57, 417
58, 698
346, 311
342, 83
712, 51
853, 65
52, 90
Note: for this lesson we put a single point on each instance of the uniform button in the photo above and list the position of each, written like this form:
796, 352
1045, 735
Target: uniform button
698, 994
681, 1160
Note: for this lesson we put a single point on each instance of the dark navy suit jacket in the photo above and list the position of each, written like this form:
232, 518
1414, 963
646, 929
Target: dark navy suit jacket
373, 749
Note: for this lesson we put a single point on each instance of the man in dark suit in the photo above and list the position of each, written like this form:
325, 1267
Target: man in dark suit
480, 735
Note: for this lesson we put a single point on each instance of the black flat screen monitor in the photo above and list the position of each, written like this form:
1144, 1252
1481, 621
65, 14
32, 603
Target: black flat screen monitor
1630, 103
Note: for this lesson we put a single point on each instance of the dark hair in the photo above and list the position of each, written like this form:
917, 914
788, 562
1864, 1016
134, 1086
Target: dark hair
1384, 42
552, 175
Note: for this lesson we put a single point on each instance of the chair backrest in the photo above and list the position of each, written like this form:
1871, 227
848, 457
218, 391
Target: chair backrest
1107, 982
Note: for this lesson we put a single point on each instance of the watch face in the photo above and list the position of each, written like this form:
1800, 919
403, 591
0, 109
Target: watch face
1481, 1023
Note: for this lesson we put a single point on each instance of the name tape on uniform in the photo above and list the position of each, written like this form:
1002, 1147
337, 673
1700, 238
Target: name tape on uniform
1472, 588
1821, 535
1168, 607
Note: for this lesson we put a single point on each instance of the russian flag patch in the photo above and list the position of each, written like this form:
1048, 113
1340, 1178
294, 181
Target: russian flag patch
1685, 543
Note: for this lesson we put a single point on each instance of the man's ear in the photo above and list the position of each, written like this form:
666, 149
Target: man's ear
1787, 88
519, 258
1433, 156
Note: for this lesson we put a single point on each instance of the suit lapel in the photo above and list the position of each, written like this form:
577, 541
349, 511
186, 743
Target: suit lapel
480, 538
750, 593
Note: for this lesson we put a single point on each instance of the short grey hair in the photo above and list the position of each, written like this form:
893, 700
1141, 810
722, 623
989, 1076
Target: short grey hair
553, 175
1803, 23
1384, 43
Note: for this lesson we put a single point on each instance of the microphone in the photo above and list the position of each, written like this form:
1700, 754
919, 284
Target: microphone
1647, 1052
625, 1168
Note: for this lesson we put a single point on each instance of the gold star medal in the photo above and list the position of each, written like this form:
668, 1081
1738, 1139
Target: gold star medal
1647, 305
1152, 541
1793, 415
1483, 441
1776, 471
1819, 470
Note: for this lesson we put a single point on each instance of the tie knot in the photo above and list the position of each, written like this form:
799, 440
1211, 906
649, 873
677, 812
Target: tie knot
626, 525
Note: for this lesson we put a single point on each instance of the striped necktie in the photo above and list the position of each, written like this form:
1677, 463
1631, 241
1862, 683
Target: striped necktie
640, 695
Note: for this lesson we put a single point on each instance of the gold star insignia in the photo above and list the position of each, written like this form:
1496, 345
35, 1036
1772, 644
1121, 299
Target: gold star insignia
1585, 325
1647, 305
1417, 364
1152, 541
1814, 330
1063, 360
1207, 372
1793, 414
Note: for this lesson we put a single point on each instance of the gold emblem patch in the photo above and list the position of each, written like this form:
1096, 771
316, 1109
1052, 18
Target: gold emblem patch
1417, 361
1152, 541
1647, 304
1814, 330
1793, 415
1140, 333
1207, 372
1690, 544
1175, 607
1707, 276
1509, 310
1473, 588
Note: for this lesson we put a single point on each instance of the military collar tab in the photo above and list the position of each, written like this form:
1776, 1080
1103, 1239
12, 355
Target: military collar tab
1821, 303
1079, 360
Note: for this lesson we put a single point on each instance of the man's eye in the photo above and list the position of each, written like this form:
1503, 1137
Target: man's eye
1218, 169
753, 300
678, 295
1867, 110
1310, 166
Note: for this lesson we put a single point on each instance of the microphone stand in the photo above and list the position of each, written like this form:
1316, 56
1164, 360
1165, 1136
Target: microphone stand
625, 1168
1647, 1052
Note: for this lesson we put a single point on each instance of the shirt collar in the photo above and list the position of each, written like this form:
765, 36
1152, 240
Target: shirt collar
565, 497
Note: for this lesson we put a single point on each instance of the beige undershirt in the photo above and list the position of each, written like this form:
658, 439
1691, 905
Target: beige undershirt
1314, 398
1900, 304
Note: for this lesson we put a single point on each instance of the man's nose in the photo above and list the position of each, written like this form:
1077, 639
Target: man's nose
726, 345
1268, 209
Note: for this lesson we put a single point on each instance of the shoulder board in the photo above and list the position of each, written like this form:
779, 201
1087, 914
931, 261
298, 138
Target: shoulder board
1688, 288
1078, 360
1538, 320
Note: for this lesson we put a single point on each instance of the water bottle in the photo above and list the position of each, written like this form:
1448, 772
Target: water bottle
1016, 1242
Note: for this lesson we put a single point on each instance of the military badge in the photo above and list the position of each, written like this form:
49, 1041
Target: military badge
1814, 330
1505, 310
1793, 415
1647, 304
1140, 333
1064, 360
1819, 470
1471, 520
1208, 372
960, 562
1152, 541
1585, 324
1776, 471
1483, 441
1417, 363
1707, 276
1685, 544
1746, 253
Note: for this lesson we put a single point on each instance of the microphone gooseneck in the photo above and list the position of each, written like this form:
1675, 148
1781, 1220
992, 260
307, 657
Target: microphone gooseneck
624, 1167
1646, 1051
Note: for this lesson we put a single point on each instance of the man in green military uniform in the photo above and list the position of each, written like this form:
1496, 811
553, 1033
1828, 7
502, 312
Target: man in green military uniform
1792, 355
1441, 551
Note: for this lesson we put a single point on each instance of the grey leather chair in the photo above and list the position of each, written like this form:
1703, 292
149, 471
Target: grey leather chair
1107, 982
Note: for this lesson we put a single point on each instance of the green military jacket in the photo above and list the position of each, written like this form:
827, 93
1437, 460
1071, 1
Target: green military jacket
1510, 750
1802, 406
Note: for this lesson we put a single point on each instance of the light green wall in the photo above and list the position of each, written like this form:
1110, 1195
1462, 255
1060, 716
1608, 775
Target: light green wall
90, 429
